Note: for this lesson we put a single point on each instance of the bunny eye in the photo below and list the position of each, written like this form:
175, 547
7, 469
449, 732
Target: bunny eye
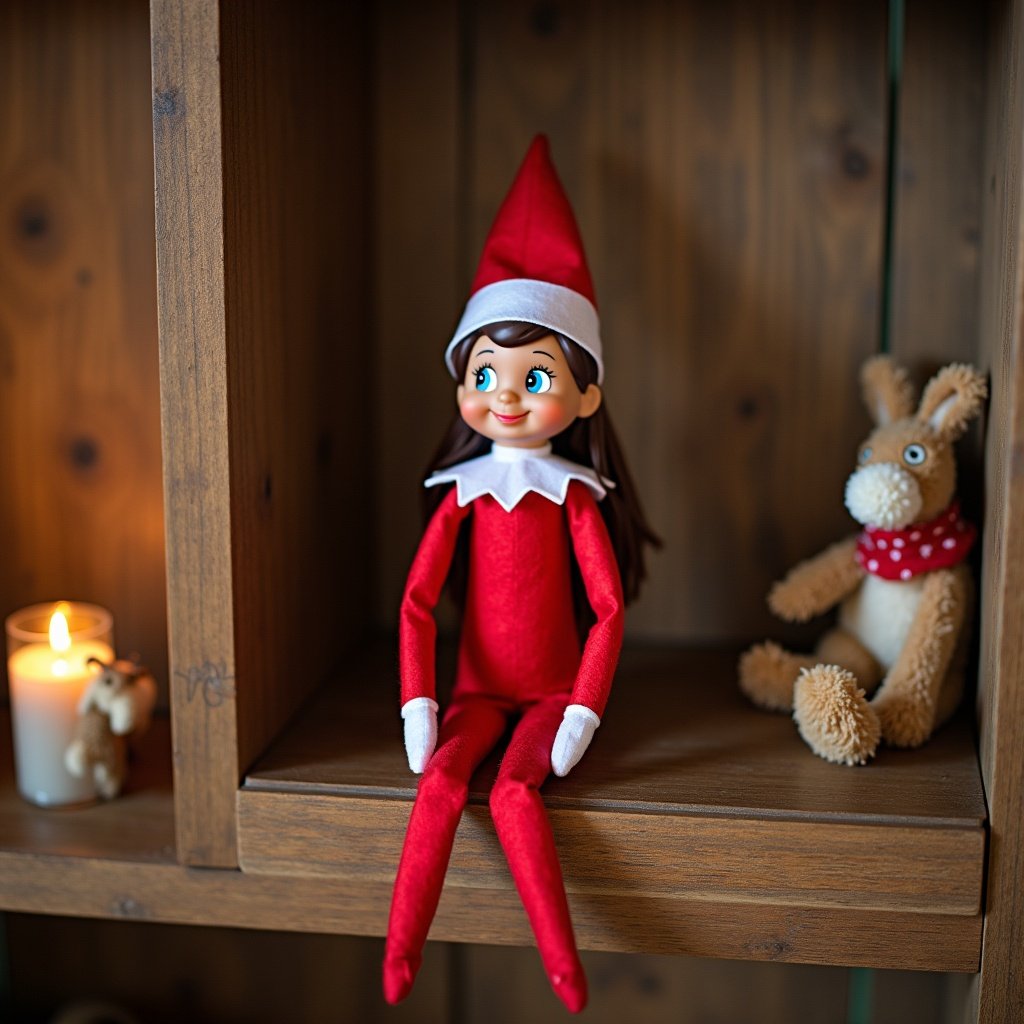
914, 454
865, 454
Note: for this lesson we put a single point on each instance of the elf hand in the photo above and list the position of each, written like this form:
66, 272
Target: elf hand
573, 738
420, 716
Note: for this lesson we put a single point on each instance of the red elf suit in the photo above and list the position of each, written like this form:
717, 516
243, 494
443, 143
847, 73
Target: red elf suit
529, 513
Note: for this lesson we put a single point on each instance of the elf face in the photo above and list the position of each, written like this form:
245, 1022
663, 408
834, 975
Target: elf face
524, 396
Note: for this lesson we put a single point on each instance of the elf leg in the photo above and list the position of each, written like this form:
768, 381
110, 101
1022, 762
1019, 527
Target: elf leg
525, 835
470, 729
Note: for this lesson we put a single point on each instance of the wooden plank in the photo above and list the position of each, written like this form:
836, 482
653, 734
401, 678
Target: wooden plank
84, 887
504, 986
713, 756
81, 501
136, 827
603, 852
262, 226
418, 294
193, 387
182, 973
195, 973
709, 810
727, 165
999, 997
936, 205
297, 286
937, 201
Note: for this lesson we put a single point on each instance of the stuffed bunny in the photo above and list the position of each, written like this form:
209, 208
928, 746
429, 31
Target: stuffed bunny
903, 588
118, 701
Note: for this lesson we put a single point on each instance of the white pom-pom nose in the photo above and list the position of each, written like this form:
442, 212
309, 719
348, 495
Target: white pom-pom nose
884, 495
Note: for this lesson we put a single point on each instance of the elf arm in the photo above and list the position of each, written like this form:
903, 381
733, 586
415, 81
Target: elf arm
818, 584
600, 572
417, 631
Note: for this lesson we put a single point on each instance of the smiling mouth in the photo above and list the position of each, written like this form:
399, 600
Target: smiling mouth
507, 419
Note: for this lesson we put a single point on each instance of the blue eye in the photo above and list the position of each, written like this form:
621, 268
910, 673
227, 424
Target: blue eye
914, 454
538, 381
486, 379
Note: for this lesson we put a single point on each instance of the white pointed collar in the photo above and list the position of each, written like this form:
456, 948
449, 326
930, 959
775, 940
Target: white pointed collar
509, 474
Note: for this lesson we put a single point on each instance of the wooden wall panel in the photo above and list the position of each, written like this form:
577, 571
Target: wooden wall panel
655, 990
168, 974
728, 170
727, 165
418, 180
81, 501
174, 973
300, 364
1000, 995
937, 201
264, 286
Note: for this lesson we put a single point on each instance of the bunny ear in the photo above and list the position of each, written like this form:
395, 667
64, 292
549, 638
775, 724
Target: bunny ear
952, 398
888, 393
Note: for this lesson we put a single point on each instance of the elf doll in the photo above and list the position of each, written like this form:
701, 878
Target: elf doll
536, 521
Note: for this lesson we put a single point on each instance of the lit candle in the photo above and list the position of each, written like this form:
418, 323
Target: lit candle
48, 673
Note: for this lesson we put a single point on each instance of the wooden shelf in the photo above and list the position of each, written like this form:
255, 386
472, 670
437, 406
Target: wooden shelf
696, 824
707, 830
138, 827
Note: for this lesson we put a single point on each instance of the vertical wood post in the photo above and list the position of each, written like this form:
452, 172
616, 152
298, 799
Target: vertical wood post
999, 994
193, 383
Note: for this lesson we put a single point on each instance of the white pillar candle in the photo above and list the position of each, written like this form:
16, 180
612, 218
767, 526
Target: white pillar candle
47, 679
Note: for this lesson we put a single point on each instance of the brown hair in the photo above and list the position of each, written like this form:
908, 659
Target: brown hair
590, 441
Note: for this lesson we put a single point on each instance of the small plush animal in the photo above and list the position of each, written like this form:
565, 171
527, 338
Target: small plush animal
116, 703
903, 588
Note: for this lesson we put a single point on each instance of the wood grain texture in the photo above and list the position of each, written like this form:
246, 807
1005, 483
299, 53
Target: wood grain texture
711, 808
418, 196
81, 502
681, 990
194, 407
937, 201
727, 169
655, 990
84, 887
678, 738
264, 316
727, 166
167, 975
1000, 994
297, 284
136, 827
116, 861
609, 853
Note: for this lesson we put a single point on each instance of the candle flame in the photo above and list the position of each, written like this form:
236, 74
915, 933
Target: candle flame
60, 635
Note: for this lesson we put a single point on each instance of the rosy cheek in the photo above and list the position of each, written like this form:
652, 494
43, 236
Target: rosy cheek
554, 415
472, 407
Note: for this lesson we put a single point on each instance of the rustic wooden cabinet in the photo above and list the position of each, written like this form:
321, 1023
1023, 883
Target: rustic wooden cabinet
768, 191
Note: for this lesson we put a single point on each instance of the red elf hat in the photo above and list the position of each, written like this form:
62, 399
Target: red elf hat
533, 267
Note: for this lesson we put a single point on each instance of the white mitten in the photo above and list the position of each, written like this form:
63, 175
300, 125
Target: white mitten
420, 716
573, 738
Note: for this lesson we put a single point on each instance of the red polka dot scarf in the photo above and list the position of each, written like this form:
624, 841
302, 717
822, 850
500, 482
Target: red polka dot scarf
923, 547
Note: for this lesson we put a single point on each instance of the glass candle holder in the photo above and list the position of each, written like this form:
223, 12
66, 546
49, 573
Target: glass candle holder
48, 652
